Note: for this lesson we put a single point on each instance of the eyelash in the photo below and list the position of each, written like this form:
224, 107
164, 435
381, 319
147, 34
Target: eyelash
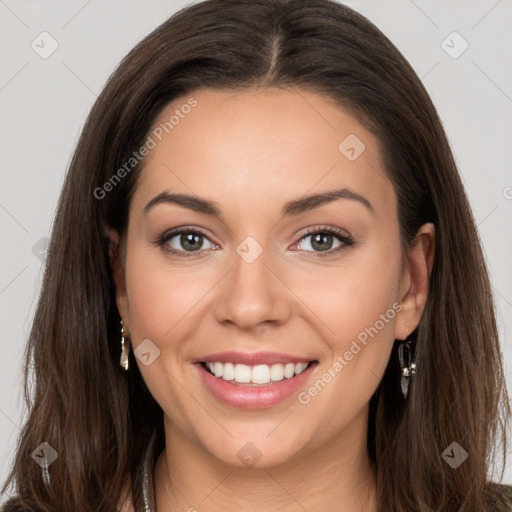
338, 233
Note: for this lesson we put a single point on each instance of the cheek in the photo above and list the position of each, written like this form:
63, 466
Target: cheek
148, 293
158, 309
160, 295
369, 305
357, 307
352, 296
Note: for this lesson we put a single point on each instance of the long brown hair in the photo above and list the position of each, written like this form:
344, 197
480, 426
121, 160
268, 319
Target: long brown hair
99, 419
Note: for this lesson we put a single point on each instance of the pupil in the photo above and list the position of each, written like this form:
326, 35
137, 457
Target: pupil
191, 238
322, 238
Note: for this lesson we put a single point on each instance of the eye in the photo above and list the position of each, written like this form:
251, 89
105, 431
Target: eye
322, 241
184, 242
188, 242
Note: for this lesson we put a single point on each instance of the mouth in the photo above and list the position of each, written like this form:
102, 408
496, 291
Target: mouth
254, 386
255, 375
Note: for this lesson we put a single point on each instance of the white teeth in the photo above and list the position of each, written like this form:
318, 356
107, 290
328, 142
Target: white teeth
218, 369
259, 374
276, 372
242, 373
300, 367
289, 370
228, 371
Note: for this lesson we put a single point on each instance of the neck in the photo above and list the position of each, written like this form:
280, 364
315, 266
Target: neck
187, 477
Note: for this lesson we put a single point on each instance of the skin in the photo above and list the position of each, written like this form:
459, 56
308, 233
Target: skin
251, 151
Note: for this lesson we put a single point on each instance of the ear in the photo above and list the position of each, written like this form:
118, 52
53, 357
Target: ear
118, 274
414, 282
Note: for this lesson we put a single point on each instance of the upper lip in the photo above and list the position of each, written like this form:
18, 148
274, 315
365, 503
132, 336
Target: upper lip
251, 358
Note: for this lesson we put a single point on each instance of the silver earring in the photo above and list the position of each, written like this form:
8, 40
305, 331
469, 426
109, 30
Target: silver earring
407, 366
125, 349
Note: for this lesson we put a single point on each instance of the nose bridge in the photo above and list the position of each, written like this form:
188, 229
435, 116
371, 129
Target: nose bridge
252, 294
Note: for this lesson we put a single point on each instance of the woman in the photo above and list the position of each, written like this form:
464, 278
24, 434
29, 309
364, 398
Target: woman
264, 271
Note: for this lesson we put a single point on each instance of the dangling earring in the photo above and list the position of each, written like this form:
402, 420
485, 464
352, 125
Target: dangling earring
125, 349
407, 366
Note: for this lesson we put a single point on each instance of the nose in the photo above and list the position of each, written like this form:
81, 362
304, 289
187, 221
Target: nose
253, 294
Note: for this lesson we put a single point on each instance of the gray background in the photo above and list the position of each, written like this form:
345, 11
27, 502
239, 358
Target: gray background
44, 103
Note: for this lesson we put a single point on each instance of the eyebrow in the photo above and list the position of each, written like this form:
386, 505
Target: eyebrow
295, 207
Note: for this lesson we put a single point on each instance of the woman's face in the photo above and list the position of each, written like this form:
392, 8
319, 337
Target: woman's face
265, 270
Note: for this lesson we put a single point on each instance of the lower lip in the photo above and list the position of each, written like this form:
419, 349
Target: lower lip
253, 397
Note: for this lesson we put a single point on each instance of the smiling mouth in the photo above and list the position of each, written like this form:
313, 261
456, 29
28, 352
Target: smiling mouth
256, 375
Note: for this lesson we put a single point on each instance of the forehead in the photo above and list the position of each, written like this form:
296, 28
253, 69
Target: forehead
270, 143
